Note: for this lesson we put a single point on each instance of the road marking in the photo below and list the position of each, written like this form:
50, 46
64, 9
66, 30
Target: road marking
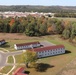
1, 51
0, 58
4, 49
14, 53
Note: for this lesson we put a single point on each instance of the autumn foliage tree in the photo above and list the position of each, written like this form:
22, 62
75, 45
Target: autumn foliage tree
29, 57
12, 22
38, 26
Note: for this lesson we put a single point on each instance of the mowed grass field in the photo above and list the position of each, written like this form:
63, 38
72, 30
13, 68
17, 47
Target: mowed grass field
67, 19
56, 63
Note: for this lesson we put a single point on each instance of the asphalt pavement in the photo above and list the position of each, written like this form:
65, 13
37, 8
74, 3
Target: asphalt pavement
4, 56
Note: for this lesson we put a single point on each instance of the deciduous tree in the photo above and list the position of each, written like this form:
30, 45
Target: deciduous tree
29, 57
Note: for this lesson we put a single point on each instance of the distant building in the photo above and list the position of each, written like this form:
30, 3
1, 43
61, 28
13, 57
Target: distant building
19, 71
14, 14
50, 51
26, 45
2, 42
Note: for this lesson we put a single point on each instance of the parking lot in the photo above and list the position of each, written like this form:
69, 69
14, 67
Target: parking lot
46, 43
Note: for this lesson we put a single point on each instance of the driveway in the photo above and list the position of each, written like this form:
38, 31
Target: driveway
4, 56
2, 59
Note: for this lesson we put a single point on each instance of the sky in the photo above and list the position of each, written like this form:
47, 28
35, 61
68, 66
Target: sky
39, 2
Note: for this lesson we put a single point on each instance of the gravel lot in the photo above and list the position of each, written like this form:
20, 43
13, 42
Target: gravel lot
46, 43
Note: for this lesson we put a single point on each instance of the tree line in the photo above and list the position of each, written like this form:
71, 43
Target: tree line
38, 26
70, 15
31, 26
29, 8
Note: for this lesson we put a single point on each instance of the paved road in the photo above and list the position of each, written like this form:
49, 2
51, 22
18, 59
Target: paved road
2, 59
4, 56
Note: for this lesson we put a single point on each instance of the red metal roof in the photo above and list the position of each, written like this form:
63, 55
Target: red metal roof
49, 48
21, 74
24, 44
19, 71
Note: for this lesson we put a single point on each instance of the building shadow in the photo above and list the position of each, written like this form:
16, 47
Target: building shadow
26, 72
42, 67
67, 52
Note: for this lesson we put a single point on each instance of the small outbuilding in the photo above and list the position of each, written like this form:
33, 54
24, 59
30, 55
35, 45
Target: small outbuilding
2, 41
20, 71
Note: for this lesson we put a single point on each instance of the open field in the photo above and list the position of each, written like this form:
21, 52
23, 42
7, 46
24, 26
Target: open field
16, 36
70, 69
59, 61
12, 39
56, 63
67, 19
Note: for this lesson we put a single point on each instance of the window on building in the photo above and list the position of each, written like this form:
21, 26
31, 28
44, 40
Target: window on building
44, 51
56, 52
39, 52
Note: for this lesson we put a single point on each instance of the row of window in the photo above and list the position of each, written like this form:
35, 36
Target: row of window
24, 47
2, 42
54, 53
51, 51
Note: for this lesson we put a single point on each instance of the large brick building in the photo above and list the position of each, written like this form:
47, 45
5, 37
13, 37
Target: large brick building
49, 50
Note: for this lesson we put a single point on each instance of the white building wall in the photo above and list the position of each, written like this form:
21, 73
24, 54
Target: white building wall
50, 52
27, 46
15, 46
2, 42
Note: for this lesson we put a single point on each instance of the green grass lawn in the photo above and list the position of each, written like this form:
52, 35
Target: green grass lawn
2, 50
17, 58
59, 61
67, 19
6, 69
10, 59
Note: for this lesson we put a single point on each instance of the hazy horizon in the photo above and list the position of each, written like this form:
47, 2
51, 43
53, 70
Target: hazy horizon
39, 2
37, 5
